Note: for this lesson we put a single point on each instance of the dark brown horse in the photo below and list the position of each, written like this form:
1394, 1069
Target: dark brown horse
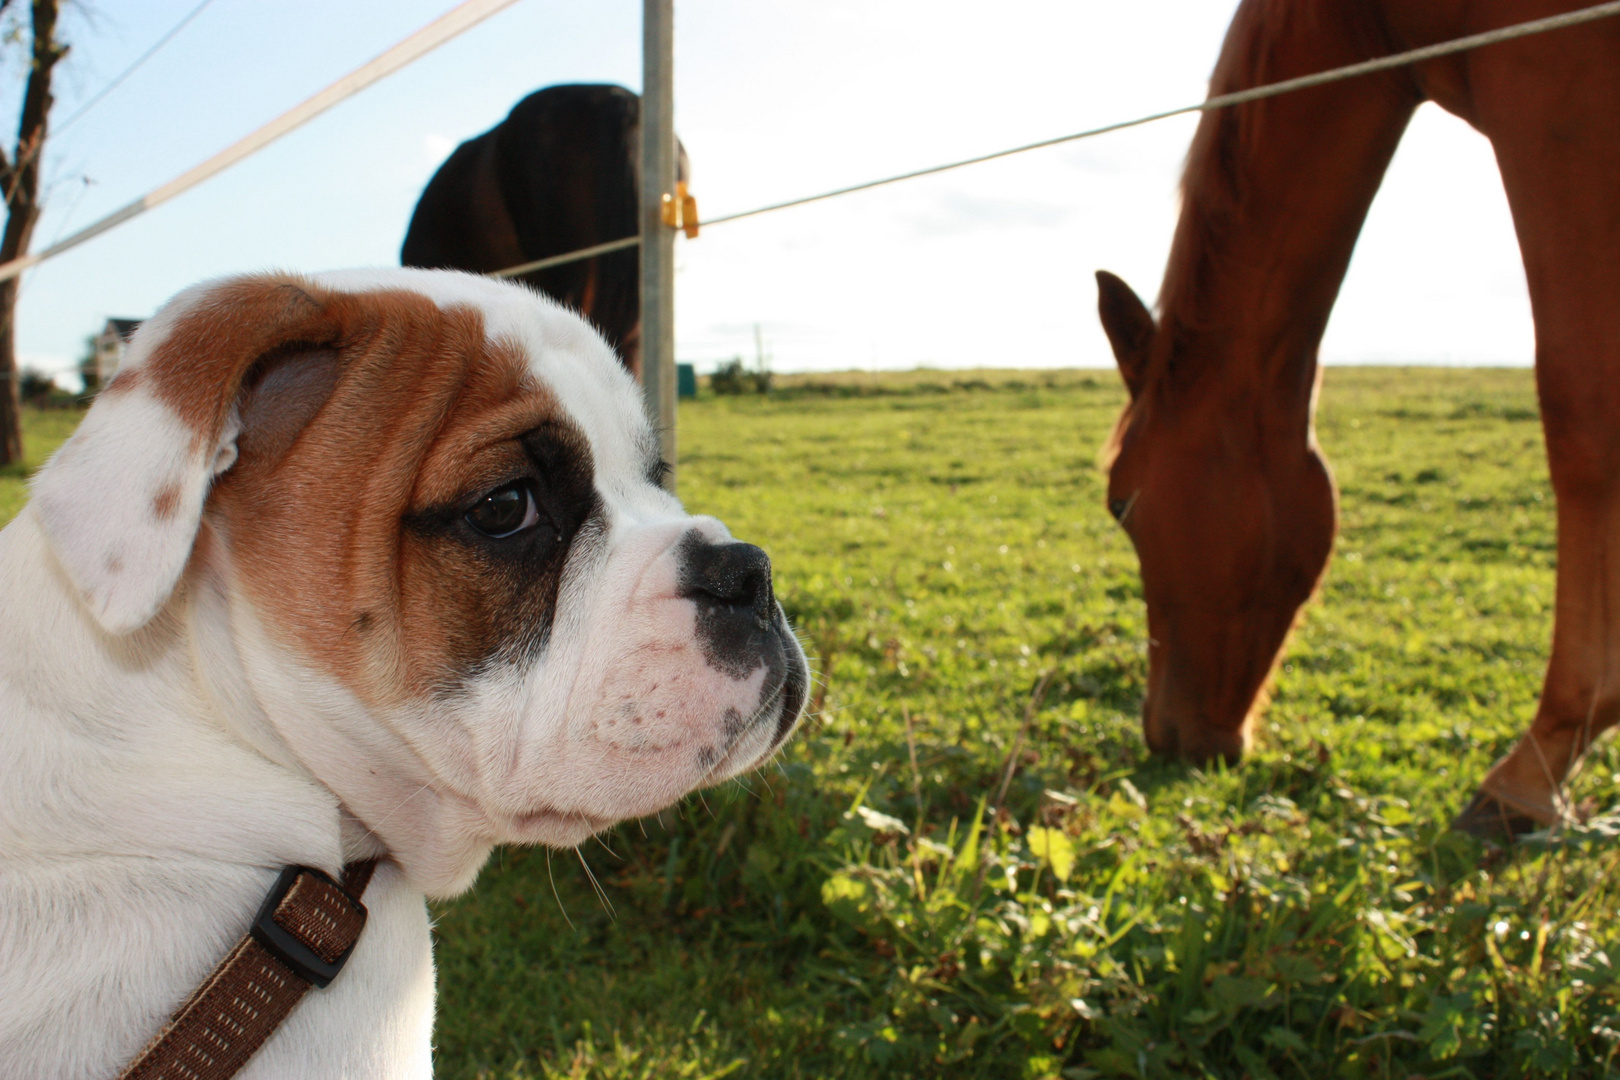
558, 174
1216, 474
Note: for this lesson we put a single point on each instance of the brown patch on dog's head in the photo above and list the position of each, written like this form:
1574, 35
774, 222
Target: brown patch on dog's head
349, 528
217, 342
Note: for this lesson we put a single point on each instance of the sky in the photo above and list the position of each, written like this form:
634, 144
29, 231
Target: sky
985, 266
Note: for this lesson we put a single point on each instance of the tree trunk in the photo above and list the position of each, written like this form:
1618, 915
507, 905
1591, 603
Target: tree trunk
11, 447
19, 179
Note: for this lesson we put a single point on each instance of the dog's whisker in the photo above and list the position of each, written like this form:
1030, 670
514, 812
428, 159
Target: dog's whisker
371, 830
601, 894
557, 896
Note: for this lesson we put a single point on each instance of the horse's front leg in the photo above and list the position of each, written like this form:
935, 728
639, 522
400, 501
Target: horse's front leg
1551, 108
1581, 696
1578, 377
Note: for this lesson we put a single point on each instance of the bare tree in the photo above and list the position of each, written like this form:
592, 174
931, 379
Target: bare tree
19, 182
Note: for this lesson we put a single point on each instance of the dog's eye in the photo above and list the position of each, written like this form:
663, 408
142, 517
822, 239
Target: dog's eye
505, 511
1117, 507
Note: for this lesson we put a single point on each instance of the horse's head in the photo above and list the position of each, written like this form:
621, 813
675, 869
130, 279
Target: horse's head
1216, 478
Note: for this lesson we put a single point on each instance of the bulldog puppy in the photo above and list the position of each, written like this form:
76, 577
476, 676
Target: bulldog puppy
365, 564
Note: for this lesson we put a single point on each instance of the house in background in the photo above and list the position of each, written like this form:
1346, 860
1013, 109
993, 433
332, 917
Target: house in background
110, 346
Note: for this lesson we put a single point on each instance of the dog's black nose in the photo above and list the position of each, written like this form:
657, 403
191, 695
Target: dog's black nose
735, 575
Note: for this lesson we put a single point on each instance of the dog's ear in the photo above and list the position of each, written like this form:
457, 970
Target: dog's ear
122, 500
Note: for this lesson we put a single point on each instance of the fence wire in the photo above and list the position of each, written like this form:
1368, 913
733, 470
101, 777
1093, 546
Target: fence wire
472, 12
1220, 101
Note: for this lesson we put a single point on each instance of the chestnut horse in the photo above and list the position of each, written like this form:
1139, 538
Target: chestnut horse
1216, 474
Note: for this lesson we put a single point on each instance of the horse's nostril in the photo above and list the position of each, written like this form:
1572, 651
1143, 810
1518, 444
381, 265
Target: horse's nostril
737, 575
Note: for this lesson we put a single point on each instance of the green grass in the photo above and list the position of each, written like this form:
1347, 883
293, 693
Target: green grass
941, 542
43, 432
863, 909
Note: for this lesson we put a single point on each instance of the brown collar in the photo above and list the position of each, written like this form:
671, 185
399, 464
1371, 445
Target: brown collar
303, 934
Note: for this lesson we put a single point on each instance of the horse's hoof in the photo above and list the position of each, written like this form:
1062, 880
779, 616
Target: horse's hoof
1489, 818
1197, 744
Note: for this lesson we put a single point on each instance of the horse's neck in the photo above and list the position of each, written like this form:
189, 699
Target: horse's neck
1275, 193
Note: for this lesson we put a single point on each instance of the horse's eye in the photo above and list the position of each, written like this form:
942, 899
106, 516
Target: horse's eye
1117, 507
506, 511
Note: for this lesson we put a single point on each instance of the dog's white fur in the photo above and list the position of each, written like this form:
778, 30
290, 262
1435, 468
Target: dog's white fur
164, 750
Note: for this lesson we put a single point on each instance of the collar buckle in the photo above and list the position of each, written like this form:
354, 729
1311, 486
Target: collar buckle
310, 923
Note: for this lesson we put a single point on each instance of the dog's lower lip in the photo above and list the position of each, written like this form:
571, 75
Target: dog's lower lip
559, 817
775, 702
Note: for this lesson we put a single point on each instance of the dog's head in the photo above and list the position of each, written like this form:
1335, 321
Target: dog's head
417, 521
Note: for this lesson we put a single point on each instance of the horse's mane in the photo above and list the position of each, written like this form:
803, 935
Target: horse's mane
1269, 40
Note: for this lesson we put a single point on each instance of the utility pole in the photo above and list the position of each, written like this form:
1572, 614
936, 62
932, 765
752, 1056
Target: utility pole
657, 236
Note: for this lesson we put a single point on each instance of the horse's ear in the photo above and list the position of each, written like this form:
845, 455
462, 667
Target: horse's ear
122, 500
1129, 326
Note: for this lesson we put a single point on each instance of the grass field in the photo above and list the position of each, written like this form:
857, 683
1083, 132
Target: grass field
876, 906
43, 432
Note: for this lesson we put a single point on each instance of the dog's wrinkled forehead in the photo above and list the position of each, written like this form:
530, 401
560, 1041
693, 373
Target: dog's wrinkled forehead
563, 354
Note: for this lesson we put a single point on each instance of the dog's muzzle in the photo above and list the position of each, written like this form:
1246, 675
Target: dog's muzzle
741, 627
